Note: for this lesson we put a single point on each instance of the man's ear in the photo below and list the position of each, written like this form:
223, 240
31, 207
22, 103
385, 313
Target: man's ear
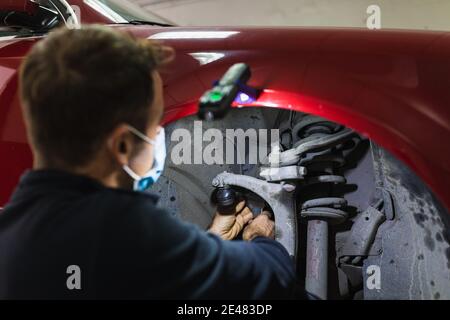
120, 144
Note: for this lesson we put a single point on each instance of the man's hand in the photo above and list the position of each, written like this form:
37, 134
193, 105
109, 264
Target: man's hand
229, 226
261, 226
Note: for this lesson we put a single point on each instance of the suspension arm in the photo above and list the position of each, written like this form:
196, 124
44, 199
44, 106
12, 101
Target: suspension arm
280, 201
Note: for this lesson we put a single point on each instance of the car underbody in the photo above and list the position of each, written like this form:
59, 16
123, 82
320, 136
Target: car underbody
358, 223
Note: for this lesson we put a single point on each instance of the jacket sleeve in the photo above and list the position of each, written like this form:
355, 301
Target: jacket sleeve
163, 257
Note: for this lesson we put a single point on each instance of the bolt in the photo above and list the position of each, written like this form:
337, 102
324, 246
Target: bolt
288, 187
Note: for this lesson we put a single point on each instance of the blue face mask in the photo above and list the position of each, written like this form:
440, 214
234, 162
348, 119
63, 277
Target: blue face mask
159, 152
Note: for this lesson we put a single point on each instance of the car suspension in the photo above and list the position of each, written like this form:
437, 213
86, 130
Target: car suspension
321, 207
309, 162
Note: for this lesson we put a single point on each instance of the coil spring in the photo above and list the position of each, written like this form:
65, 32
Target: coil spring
323, 164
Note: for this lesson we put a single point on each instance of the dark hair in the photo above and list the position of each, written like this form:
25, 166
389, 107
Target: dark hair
77, 85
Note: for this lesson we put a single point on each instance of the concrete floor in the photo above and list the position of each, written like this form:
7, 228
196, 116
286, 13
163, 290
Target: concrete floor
409, 14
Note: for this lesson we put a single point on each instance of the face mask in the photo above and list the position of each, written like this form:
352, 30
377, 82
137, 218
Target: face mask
159, 152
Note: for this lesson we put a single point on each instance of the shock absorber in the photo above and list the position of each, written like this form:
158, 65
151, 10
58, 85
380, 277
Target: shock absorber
321, 208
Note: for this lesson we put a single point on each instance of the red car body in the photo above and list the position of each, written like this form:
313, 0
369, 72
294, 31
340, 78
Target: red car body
392, 86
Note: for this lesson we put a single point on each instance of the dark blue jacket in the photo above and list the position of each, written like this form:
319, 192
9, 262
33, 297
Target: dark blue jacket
125, 248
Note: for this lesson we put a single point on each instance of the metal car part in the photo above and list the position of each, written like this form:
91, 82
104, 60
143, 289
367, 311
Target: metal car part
280, 201
360, 242
292, 156
312, 120
283, 173
318, 142
362, 235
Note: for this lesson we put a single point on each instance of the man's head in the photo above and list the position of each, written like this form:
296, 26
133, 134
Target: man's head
81, 89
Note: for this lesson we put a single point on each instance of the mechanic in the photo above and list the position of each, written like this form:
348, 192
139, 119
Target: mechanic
79, 225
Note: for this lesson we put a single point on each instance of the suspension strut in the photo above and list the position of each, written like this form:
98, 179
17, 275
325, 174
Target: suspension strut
323, 208
313, 161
